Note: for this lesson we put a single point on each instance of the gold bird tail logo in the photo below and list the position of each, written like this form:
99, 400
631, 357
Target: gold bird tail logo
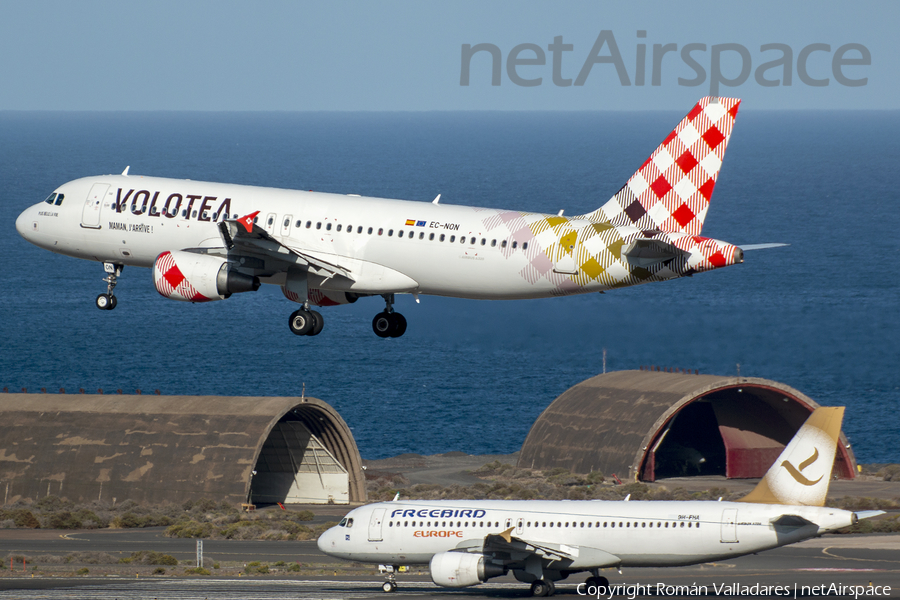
796, 473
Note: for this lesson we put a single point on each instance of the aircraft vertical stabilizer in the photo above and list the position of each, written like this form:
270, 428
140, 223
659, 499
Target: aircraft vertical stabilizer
671, 190
801, 474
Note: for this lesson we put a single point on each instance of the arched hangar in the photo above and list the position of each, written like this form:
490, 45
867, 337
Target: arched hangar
152, 448
646, 425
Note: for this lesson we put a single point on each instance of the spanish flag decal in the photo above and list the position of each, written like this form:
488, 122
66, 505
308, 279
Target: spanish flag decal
410, 221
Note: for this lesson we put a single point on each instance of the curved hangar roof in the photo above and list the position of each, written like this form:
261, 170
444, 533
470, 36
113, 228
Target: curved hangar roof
646, 425
175, 448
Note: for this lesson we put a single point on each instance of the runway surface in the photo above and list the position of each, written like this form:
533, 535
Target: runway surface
832, 560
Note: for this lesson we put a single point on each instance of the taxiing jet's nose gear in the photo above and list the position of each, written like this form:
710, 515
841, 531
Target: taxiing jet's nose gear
306, 322
108, 301
389, 323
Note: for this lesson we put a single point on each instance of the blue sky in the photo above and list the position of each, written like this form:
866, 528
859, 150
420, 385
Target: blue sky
408, 55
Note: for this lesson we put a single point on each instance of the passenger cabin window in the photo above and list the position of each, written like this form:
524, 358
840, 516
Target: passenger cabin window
359, 230
524, 245
328, 227
319, 225
271, 220
308, 224
298, 223
287, 222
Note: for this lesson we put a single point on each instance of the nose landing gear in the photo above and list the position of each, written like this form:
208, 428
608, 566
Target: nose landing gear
389, 323
108, 301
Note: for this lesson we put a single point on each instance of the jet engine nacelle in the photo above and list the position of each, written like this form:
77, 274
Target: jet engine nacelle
192, 277
322, 297
461, 569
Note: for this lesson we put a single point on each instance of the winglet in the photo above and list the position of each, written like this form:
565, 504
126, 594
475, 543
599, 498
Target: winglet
247, 221
507, 535
125, 172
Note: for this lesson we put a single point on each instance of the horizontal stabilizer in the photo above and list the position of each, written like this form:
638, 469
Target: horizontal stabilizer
646, 253
791, 522
761, 246
868, 514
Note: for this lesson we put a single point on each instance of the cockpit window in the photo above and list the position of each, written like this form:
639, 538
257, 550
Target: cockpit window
349, 522
343, 522
59, 199
51, 198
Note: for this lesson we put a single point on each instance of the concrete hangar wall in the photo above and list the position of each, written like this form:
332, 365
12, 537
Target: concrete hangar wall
174, 448
646, 425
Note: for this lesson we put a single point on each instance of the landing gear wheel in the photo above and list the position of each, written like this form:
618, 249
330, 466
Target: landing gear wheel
301, 322
318, 323
600, 582
383, 325
105, 302
541, 588
389, 586
399, 325
112, 302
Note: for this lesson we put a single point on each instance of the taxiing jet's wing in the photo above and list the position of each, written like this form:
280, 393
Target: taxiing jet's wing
510, 549
243, 237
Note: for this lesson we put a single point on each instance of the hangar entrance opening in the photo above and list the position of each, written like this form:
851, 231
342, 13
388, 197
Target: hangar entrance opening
690, 445
295, 467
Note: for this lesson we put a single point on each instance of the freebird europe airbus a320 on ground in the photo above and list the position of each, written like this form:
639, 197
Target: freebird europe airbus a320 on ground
467, 542
207, 241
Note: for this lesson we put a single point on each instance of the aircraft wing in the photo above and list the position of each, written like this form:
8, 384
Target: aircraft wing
511, 550
242, 237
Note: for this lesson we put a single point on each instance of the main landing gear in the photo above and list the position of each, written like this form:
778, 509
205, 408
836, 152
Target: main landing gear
306, 322
108, 301
542, 587
389, 323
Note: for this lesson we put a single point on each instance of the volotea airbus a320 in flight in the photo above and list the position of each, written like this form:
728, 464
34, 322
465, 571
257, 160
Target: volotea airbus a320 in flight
467, 542
329, 249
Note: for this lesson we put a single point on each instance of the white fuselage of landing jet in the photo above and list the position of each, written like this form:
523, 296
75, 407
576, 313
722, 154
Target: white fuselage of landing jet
595, 533
448, 250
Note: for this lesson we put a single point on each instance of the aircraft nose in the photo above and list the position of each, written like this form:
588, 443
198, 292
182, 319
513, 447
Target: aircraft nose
326, 541
25, 222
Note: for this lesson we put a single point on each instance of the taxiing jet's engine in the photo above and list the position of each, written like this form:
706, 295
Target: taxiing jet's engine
460, 569
322, 297
194, 277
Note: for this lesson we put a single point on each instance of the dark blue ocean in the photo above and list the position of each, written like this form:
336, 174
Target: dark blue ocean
821, 315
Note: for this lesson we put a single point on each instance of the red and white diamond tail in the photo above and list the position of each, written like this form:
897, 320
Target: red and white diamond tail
671, 190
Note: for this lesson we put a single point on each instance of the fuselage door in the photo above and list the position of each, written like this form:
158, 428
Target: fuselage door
375, 525
729, 526
286, 226
566, 253
90, 214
